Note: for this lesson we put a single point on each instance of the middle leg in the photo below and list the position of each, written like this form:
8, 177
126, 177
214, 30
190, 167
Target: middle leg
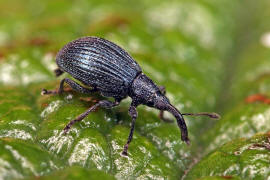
104, 103
75, 86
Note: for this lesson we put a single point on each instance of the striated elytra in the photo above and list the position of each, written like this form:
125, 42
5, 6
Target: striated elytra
106, 68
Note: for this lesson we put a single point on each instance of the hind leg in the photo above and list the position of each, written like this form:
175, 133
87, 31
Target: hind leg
75, 86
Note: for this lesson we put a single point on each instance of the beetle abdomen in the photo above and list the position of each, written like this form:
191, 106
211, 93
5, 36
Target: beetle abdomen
99, 63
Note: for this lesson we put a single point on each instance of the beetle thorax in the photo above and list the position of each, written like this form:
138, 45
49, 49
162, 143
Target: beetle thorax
145, 91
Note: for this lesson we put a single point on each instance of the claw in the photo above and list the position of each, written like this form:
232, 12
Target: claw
44, 91
124, 152
187, 142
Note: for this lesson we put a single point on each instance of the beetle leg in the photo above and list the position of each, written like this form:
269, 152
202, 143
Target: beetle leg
133, 113
75, 86
104, 103
161, 116
161, 113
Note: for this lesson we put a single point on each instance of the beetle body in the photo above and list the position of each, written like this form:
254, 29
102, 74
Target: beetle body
106, 68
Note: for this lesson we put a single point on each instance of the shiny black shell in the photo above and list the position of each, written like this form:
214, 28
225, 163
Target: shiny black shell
100, 64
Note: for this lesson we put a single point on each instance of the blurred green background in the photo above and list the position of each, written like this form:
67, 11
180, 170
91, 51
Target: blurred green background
210, 56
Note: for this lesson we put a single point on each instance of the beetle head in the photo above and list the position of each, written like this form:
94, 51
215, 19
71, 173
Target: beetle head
144, 91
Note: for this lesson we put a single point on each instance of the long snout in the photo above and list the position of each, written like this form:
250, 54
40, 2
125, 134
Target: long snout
180, 121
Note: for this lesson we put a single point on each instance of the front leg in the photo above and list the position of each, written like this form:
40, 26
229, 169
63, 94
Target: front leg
161, 116
104, 103
75, 86
161, 112
133, 113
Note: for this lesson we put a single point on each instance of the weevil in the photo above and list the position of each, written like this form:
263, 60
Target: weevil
104, 67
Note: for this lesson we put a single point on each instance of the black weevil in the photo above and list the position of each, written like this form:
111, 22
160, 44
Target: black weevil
107, 68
